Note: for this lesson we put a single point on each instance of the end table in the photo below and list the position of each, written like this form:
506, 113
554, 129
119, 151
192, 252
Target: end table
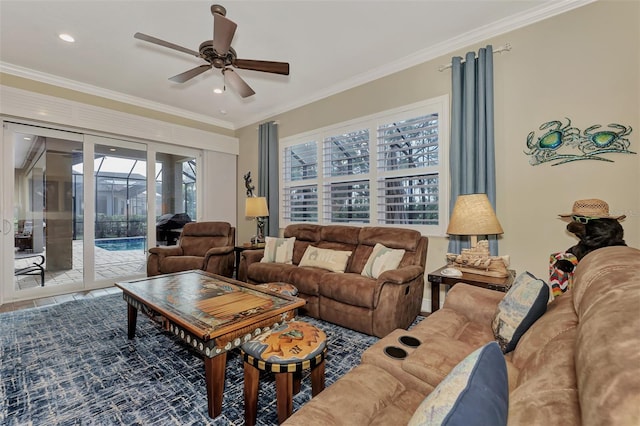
492, 283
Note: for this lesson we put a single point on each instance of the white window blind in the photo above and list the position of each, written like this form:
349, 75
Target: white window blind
300, 191
410, 200
347, 154
407, 144
387, 169
301, 161
347, 202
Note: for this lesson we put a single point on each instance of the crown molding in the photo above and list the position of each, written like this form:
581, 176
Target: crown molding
54, 80
542, 12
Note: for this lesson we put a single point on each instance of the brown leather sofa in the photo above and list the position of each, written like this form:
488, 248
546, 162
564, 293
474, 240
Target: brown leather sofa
578, 364
369, 305
202, 245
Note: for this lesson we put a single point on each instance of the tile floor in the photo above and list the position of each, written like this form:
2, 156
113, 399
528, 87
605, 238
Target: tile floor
44, 301
108, 265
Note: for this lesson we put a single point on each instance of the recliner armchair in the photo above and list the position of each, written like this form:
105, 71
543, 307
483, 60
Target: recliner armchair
202, 245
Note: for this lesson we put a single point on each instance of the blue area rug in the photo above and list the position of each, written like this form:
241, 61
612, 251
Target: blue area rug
72, 364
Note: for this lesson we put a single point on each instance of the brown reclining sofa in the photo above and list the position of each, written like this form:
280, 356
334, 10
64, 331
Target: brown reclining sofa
369, 305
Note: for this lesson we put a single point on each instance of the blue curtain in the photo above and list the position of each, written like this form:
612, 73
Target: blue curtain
268, 174
472, 152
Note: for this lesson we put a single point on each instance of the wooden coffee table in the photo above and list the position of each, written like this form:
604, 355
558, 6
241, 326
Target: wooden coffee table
210, 313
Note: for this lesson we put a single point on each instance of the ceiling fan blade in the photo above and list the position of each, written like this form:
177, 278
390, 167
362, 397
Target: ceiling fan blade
264, 66
188, 75
238, 84
223, 31
159, 42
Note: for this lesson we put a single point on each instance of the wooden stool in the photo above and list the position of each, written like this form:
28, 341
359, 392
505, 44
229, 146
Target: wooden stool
285, 351
282, 288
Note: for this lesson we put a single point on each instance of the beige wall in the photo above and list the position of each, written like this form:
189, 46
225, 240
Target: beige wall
584, 64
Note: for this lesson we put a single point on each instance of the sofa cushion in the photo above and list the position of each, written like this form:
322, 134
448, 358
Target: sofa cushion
332, 260
348, 401
475, 392
181, 263
269, 272
559, 317
352, 289
382, 259
278, 250
546, 386
523, 304
606, 297
395, 238
307, 279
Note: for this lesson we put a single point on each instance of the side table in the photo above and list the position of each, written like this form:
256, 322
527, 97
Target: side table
240, 249
492, 283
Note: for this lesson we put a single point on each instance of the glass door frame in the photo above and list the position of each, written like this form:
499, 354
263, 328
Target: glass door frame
7, 286
9, 292
90, 184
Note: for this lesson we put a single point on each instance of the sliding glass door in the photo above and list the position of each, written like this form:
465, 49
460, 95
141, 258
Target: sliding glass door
42, 190
79, 211
120, 234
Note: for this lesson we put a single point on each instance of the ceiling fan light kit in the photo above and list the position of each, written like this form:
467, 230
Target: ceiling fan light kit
219, 54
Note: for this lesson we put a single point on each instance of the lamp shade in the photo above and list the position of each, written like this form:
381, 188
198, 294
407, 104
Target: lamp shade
256, 207
473, 215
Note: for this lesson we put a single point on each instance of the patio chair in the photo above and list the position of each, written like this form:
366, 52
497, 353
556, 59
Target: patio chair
35, 268
202, 245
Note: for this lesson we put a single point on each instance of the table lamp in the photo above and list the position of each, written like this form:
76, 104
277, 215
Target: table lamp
473, 215
257, 207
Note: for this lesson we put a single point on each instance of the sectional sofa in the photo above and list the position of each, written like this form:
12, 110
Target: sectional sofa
372, 305
578, 364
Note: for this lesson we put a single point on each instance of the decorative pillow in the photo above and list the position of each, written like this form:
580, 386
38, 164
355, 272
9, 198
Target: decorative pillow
523, 304
278, 250
382, 259
475, 392
333, 260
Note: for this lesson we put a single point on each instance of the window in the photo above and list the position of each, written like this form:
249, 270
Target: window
387, 169
300, 193
345, 160
408, 146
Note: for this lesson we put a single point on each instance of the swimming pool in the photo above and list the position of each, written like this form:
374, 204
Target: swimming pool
120, 244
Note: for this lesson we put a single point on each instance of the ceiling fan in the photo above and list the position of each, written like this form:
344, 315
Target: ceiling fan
219, 54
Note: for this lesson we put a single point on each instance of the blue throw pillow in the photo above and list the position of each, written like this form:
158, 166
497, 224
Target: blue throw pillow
523, 304
475, 392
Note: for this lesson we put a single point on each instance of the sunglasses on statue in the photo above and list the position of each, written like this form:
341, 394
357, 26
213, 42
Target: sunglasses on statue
582, 219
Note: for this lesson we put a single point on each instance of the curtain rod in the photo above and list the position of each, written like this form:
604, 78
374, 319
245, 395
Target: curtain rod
505, 48
274, 122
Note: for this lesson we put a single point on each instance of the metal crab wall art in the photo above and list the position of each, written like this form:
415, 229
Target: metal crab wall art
564, 143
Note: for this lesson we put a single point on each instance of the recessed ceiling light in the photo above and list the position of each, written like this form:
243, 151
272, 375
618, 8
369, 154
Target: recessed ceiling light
217, 90
27, 138
112, 149
67, 38
223, 111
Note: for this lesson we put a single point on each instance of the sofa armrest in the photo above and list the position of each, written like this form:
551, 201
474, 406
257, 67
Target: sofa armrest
166, 251
217, 251
401, 275
247, 257
476, 303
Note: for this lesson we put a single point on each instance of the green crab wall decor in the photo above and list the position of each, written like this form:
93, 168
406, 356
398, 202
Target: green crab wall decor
555, 144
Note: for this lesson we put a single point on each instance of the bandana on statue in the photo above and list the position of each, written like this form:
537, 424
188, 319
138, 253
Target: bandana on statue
560, 280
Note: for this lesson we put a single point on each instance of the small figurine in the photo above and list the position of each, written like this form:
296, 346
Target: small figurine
247, 184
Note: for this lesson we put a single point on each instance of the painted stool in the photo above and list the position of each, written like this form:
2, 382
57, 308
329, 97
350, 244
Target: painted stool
285, 350
282, 288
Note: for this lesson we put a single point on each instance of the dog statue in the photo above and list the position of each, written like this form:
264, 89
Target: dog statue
594, 234
595, 228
